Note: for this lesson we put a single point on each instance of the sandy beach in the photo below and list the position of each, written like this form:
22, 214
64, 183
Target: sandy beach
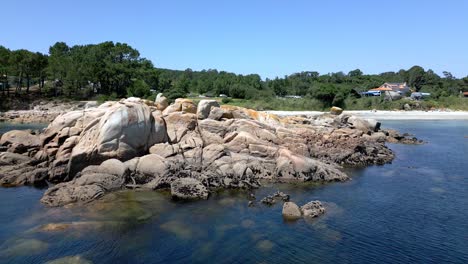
389, 115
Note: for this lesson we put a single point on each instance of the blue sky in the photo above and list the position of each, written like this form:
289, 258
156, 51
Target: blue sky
269, 37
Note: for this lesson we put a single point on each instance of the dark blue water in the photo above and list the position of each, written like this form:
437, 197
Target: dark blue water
412, 211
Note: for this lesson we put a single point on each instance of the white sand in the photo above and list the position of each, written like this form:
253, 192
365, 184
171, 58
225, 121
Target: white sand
389, 115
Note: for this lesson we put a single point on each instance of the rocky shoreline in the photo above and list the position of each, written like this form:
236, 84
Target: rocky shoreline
187, 148
43, 112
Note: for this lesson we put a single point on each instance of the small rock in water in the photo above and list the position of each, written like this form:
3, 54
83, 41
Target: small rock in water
252, 196
251, 204
313, 209
291, 211
269, 200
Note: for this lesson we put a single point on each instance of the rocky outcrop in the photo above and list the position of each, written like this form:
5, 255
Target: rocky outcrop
132, 144
40, 112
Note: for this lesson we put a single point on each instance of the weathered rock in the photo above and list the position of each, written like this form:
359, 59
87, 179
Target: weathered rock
291, 211
313, 209
204, 108
20, 137
181, 105
188, 188
161, 102
8, 158
216, 113
365, 125
336, 110
93, 183
291, 167
126, 130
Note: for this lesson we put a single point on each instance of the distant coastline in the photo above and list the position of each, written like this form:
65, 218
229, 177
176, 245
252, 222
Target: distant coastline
388, 115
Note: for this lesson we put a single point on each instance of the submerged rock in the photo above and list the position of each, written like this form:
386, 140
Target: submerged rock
23, 247
70, 260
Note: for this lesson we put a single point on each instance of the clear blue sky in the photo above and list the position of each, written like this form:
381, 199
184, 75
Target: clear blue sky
269, 37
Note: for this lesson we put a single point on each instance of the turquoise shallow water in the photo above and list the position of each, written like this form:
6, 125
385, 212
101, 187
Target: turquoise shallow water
414, 210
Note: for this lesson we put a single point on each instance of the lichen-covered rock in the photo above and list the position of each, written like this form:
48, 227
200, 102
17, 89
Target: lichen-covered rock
188, 188
291, 211
313, 209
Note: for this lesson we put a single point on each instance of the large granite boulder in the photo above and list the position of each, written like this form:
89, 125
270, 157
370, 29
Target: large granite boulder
126, 130
204, 108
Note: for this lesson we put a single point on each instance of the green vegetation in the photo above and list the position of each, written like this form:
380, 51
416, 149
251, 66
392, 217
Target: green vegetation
113, 70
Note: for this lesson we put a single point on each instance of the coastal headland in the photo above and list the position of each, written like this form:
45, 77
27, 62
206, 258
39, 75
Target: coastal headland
187, 148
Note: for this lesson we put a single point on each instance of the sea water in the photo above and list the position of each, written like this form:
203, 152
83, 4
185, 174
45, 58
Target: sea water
414, 210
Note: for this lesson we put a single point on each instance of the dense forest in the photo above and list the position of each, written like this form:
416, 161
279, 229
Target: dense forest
112, 70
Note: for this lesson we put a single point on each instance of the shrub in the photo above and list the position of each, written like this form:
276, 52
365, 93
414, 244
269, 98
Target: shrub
226, 100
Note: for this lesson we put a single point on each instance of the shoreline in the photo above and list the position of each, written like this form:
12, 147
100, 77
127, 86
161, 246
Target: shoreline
386, 115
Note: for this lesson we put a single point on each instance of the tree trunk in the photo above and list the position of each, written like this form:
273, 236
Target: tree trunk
6, 86
19, 83
28, 82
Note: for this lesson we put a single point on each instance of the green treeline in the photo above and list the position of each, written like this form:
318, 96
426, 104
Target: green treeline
113, 70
